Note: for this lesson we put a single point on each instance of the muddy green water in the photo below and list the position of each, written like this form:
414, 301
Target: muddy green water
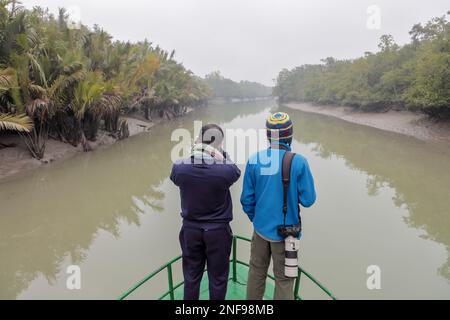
383, 199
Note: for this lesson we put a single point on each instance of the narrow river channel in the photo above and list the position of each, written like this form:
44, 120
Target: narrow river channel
383, 199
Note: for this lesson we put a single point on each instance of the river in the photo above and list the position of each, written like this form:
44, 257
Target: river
383, 199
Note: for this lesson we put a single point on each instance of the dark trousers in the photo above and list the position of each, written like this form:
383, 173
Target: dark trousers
210, 247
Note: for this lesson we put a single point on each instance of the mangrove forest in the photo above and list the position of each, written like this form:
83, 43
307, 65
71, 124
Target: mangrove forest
415, 76
67, 83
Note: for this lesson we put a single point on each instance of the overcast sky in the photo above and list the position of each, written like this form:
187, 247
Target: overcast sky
254, 39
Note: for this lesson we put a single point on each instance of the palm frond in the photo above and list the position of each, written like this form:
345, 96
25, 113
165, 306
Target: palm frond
37, 90
36, 66
19, 123
7, 79
65, 81
38, 104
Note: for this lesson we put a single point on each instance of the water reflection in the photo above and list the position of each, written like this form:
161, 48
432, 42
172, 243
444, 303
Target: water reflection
56, 213
419, 172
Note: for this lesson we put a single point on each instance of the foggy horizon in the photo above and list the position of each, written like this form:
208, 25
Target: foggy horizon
245, 41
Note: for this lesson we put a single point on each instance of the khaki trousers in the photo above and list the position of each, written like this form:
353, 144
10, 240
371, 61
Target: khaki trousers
261, 252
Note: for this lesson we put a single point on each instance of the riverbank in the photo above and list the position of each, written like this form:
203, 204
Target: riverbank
17, 160
408, 123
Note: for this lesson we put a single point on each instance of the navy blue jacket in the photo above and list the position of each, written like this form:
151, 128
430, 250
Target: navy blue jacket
205, 191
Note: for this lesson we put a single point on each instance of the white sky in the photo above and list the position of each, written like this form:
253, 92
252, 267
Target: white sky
253, 39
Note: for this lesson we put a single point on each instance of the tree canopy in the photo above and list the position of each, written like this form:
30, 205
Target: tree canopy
414, 76
70, 81
224, 88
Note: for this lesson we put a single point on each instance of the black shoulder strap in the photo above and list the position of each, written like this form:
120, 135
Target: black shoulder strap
286, 175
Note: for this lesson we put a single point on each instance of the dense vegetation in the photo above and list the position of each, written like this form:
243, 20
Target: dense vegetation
67, 83
414, 76
223, 88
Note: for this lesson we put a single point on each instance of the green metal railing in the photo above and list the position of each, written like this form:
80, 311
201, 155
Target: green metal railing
234, 263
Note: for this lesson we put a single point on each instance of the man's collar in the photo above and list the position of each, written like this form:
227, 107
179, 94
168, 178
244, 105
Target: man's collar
280, 145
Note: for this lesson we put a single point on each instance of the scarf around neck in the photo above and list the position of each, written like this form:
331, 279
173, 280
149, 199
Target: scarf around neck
200, 150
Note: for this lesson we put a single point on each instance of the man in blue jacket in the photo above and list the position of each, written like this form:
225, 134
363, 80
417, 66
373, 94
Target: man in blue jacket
204, 180
262, 201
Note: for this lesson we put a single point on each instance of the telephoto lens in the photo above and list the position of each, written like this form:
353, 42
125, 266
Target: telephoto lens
291, 257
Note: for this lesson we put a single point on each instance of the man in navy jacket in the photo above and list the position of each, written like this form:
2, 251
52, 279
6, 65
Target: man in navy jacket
204, 180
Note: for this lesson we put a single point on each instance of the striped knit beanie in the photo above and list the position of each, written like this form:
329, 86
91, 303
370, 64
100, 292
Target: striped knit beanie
280, 128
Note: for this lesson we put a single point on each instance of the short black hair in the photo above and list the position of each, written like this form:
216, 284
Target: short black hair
212, 134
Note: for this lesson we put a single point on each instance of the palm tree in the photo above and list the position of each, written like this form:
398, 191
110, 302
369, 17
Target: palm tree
68, 80
92, 101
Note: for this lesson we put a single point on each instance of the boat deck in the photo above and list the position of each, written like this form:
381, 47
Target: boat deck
236, 290
237, 284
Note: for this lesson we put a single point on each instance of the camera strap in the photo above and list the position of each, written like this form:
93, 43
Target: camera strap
286, 176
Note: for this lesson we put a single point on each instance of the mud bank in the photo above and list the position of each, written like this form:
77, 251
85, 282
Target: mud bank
17, 160
403, 122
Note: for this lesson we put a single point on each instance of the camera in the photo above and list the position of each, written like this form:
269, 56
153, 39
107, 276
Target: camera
292, 230
292, 245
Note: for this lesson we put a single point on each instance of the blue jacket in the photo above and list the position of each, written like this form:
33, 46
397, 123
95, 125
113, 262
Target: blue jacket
262, 195
205, 191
